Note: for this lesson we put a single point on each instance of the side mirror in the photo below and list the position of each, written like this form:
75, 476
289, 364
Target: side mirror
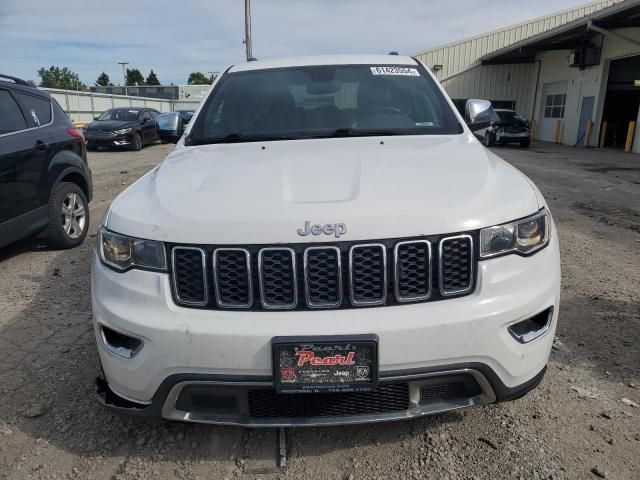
478, 114
146, 120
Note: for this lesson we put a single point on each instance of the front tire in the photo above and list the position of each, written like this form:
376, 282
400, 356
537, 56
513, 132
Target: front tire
91, 147
68, 216
136, 142
525, 143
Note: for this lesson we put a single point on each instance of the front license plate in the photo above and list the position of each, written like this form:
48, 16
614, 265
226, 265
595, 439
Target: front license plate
325, 364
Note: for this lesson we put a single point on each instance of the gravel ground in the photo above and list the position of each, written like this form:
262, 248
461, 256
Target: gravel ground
582, 422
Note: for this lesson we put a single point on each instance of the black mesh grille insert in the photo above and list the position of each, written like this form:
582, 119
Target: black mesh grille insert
442, 391
413, 272
277, 277
190, 282
232, 278
456, 265
387, 398
368, 268
322, 274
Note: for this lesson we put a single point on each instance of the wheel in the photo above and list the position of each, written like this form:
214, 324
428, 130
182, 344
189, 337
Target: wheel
91, 147
525, 143
488, 142
136, 143
68, 216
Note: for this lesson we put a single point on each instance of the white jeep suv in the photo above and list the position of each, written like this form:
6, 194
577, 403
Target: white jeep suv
328, 243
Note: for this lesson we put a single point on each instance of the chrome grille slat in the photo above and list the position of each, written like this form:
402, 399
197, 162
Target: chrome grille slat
232, 277
190, 289
368, 264
279, 264
456, 261
323, 263
413, 273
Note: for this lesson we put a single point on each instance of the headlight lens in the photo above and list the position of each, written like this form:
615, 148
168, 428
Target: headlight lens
523, 236
122, 253
122, 131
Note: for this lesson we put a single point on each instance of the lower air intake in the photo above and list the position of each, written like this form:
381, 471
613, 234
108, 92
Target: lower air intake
266, 403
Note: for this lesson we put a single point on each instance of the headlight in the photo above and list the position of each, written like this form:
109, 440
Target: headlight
122, 131
122, 253
522, 236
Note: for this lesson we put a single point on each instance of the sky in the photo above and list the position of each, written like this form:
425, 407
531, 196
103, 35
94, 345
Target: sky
175, 38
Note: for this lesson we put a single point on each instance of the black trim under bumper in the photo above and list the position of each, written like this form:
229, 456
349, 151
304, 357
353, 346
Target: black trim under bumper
500, 393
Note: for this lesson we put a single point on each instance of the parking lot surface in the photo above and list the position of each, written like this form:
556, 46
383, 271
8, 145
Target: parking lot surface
582, 422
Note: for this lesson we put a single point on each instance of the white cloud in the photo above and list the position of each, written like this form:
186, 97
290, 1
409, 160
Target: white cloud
175, 38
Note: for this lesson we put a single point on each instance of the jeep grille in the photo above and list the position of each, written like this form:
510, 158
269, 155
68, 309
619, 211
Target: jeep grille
319, 276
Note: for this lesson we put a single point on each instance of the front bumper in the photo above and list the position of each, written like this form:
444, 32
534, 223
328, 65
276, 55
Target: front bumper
415, 341
110, 141
232, 401
511, 138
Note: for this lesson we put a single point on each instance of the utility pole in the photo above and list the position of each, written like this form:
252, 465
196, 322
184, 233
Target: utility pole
247, 29
124, 75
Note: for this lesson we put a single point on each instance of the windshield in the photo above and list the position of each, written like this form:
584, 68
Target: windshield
121, 114
323, 101
509, 116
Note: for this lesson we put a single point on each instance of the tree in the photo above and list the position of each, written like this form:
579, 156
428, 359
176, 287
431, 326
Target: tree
152, 79
62, 78
104, 81
134, 77
199, 78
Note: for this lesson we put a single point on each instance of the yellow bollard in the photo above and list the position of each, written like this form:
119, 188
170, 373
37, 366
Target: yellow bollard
630, 132
603, 134
587, 134
558, 125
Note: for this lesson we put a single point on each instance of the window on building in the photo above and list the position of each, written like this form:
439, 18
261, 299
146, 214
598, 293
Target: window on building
554, 105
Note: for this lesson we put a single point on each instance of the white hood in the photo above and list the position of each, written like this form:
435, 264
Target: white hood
380, 187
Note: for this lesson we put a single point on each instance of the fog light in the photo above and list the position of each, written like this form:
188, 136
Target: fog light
120, 344
528, 330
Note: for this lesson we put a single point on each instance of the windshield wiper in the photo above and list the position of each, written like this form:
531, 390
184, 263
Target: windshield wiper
350, 132
236, 138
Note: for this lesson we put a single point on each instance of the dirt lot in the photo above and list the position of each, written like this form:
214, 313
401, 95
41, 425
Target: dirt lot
576, 425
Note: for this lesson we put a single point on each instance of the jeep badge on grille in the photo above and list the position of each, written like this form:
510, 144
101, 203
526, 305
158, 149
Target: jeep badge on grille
336, 229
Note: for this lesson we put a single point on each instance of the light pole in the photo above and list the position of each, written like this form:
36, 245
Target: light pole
124, 75
247, 29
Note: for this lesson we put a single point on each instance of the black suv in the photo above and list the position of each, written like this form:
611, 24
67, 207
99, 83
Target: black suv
129, 127
45, 182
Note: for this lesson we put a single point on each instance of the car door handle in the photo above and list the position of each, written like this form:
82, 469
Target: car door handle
40, 145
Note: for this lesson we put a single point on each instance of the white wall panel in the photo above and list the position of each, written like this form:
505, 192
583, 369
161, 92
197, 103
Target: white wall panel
85, 106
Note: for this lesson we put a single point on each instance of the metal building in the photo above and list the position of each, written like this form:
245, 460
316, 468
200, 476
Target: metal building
575, 74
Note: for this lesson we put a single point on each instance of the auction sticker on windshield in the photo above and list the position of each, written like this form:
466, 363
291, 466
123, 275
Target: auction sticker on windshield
407, 71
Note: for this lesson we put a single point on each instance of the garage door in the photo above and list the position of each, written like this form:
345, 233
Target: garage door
554, 99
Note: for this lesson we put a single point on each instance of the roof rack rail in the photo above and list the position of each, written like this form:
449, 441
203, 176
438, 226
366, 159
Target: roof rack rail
393, 53
17, 81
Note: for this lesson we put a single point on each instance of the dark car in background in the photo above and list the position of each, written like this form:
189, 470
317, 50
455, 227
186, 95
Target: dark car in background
507, 127
124, 127
45, 182
171, 125
186, 115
